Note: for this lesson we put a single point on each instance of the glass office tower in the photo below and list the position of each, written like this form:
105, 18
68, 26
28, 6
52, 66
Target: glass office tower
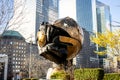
103, 24
103, 17
46, 11
93, 16
86, 14
87, 19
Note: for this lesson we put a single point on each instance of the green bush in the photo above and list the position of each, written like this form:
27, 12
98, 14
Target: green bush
112, 76
59, 75
89, 74
30, 79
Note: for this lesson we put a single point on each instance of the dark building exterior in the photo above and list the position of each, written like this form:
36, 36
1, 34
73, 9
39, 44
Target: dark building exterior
20, 54
13, 44
103, 24
87, 58
2, 71
94, 16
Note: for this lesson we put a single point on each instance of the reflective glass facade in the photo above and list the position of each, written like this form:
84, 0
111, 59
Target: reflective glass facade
103, 17
86, 14
47, 11
103, 24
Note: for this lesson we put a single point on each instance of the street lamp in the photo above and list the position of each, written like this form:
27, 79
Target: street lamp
30, 60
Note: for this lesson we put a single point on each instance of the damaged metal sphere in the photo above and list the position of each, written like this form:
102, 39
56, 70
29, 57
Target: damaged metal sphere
60, 41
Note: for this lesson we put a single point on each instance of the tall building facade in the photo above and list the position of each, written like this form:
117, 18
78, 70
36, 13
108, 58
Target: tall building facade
21, 55
47, 11
103, 24
86, 57
86, 14
14, 46
93, 16
87, 18
103, 17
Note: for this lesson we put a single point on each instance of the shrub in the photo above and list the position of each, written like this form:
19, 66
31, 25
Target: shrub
112, 76
60, 75
89, 74
30, 79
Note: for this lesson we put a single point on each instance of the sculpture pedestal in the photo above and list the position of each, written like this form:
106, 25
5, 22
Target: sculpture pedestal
66, 69
69, 68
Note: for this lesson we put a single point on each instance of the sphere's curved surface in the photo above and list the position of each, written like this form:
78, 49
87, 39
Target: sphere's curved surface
60, 41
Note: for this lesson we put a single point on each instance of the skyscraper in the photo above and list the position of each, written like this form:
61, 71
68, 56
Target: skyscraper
13, 44
86, 14
47, 11
103, 24
103, 17
93, 16
87, 19
86, 58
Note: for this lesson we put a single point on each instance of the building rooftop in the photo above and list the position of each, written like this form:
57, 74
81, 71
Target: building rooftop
100, 4
12, 34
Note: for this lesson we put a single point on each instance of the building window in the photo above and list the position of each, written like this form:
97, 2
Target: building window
13, 58
11, 42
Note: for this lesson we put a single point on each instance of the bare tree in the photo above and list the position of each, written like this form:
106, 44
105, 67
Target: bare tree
6, 10
11, 13
39, 66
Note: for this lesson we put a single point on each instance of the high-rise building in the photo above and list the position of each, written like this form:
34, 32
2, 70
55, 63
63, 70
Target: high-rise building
87, 18
103, 24
14, 46
103, 17
86, 58
93, 16
21, 55
47, 11
35, 12
86, 14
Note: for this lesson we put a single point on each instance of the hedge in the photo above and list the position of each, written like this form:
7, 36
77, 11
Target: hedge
60, 75
30, 79
112, 76
81, 74
89, 74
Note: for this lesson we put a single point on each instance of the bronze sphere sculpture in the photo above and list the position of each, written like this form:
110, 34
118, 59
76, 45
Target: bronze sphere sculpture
61, 41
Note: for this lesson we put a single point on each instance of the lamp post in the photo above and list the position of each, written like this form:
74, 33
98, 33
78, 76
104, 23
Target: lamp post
30, 59
30, 47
